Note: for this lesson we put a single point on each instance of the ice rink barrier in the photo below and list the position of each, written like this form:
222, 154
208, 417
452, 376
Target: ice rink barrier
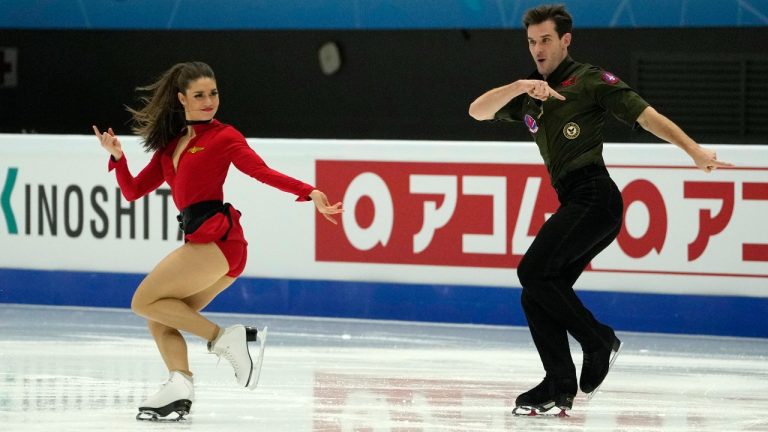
432, 231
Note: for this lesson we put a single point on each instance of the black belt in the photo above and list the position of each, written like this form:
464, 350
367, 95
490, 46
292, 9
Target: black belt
573, 177
194, 215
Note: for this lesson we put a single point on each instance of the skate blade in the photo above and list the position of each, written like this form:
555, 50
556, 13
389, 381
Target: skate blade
610, 366
256, 370
533, 412
173, 412
152, 416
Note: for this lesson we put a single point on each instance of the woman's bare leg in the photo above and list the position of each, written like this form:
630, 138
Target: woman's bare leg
185, 272
170, 342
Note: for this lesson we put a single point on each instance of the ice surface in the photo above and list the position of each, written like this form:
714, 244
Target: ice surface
70, 369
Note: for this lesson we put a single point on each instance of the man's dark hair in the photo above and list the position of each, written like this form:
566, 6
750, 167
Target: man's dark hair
557, 13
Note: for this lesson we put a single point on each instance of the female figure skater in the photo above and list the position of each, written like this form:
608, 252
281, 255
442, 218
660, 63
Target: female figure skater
192, 152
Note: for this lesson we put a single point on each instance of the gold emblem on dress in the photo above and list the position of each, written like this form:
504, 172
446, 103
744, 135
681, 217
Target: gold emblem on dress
196, 149
571, 130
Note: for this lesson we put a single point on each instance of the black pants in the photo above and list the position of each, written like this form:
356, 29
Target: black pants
588, 220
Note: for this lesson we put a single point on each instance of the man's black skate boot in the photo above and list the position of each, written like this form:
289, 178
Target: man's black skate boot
551, 392
597, 364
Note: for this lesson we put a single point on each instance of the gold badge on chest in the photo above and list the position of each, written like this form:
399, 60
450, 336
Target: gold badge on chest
195, 149
571, 130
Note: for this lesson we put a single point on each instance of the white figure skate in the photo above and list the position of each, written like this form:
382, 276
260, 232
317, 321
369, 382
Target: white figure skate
232, 344
172, 402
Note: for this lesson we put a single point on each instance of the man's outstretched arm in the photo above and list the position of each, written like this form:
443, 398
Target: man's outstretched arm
664, 128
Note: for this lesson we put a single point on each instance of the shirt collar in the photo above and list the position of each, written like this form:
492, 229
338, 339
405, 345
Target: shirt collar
561, 72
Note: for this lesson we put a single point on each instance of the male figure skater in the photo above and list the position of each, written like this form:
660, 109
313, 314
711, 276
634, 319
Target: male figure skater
564, 104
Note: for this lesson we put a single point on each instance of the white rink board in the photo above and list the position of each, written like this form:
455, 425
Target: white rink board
282, 234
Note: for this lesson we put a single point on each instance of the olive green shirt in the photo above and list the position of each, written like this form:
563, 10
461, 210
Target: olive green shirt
569, 133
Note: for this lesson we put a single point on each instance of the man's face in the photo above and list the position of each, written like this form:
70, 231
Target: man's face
547, 49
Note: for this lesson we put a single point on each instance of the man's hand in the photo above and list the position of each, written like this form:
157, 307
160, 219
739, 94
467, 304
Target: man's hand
541, 90
706, 159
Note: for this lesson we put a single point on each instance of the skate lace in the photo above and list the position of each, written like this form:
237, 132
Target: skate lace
230, 358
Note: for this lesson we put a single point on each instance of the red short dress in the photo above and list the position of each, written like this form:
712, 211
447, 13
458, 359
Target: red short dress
199, 177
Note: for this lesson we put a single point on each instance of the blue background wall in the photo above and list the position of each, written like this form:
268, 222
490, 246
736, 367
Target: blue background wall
688, 314
369, 14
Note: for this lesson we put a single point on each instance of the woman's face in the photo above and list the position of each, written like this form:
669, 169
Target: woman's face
200, 99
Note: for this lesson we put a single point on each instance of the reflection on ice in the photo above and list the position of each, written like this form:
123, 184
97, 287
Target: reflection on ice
80, 370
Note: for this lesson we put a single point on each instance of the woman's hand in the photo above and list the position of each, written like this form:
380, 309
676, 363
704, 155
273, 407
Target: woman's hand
110, 142
324, 206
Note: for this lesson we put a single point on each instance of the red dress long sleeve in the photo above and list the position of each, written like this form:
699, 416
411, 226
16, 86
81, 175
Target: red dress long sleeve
202, 168
149, 179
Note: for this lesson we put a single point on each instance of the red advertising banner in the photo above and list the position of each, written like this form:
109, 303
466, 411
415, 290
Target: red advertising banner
486, 215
